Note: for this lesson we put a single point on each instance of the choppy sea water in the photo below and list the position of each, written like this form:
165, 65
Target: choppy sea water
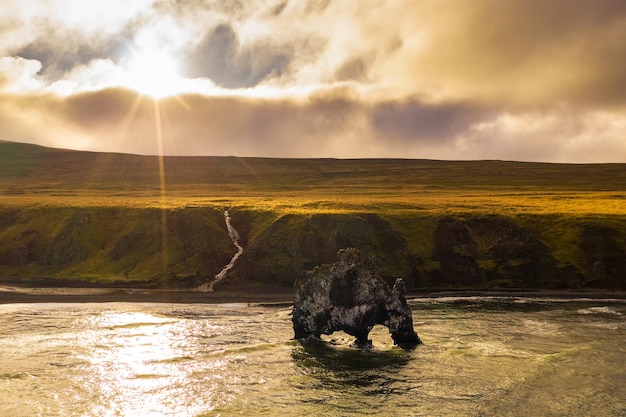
480, 357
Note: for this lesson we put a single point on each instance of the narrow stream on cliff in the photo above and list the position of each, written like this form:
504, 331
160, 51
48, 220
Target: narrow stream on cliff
234, 236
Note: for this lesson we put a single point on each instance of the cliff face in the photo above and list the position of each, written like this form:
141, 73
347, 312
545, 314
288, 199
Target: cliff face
495, 251
477, 251
293, 243
185, 247
101, 246
604, 255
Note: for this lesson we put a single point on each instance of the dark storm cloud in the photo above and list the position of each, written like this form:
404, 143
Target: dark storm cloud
60, 52
98, 108
353, 69
278, 8
115, 119
336, 123
422, 121
284, 127
316, 125
221, 57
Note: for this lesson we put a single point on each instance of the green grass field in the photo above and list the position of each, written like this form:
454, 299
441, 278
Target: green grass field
31, 175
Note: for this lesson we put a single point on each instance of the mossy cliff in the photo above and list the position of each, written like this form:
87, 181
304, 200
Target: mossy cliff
188, 246
118, 246
439, 251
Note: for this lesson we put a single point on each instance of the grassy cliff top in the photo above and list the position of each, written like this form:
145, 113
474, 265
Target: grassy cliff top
34, 175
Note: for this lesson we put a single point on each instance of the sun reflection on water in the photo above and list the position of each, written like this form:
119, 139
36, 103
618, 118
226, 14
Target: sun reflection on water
142, 365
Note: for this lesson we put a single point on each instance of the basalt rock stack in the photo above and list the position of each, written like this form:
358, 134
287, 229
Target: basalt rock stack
351, 296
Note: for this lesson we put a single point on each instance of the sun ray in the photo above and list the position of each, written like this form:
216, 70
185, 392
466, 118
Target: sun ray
182, 102
130, 114
159, 138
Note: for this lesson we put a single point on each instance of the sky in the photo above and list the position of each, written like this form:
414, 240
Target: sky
439, 79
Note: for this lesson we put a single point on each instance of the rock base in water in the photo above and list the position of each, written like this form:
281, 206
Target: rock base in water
351, 296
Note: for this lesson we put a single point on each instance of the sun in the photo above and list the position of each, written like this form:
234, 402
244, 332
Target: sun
154, 72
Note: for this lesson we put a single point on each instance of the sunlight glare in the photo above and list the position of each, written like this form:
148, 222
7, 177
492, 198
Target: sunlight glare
139, 366
154, 72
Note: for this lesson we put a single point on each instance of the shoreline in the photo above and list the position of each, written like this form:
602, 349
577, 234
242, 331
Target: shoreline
16, 294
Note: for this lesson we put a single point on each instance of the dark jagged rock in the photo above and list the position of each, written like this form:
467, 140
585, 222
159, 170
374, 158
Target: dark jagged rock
351, 296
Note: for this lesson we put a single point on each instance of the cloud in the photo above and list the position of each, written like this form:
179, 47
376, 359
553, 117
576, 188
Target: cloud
451, 79
561, 135
221, 57
30, 22
512, 51
416, 120
61, 53
117, 119
500, 50
19, 74
337, 122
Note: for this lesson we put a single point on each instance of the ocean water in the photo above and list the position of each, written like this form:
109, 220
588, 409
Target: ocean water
480, 357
